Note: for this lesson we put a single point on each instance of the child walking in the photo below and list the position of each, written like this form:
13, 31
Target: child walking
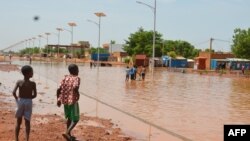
127, 74
68, 95
27, 91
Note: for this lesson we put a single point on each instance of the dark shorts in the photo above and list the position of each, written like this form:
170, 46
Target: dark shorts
72, 112
143, 74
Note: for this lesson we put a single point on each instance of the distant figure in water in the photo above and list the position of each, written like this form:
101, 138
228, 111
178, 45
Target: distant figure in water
68, 94
143, 73
127, 73
27, 92
243, 69
91, 64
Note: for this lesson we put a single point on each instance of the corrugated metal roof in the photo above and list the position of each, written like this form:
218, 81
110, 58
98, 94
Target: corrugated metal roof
224, 60
180, 57
238, 59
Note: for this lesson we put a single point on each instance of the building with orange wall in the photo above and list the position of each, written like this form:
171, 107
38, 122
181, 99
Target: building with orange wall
215, 55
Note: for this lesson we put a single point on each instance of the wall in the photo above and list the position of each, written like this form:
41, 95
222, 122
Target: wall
214, 56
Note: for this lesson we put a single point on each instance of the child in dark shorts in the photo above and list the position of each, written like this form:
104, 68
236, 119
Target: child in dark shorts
27, 91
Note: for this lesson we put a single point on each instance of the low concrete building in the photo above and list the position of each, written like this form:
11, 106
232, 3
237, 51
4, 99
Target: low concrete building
216, 55
141, 60
118, 56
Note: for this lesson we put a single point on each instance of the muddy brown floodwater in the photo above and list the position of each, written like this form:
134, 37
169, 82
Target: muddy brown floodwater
185, 105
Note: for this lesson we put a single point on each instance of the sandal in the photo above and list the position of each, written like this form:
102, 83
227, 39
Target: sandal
67, 137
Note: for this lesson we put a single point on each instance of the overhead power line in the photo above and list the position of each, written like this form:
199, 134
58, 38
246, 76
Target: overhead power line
221, 40
200, 43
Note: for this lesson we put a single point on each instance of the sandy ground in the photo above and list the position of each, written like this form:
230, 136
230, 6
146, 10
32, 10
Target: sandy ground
50, 127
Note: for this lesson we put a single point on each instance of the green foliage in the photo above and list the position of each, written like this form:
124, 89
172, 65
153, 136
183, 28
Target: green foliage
26, 51
126, 60
36, 50
172, 54
78, 54
181, 48
112, 42
141, 42
241, 43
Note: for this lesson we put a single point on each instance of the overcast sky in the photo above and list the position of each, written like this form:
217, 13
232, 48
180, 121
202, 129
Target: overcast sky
195, 21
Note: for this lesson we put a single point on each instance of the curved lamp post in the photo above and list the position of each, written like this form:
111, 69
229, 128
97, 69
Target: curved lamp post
72, 24
59, 30
47, 38
98, 14
97, 24
154, 10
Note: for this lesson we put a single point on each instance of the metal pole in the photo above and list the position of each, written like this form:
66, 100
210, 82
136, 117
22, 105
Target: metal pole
29, 47
99, 37
210, 52
111, 47
40, 49
47, 45
99, 14
153, 55
58, 43
72, 50
153, 49
39, 44
33, 46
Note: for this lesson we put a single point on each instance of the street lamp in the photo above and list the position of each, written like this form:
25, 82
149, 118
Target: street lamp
34, 38
41, 36
29, 47
47, 38
97, 24
98, 14
39, 42
154, 10
59, 30
72, 24
39, 39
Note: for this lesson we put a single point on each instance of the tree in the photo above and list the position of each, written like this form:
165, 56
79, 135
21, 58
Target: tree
141, 42
172, 54
181, 48
241, 43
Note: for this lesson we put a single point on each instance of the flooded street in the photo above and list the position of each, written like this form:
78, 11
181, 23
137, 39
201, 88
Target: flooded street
190, 105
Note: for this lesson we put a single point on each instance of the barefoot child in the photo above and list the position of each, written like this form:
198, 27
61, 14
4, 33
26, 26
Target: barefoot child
27, 91
68, 94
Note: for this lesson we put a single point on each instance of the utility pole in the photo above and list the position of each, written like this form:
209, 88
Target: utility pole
210, 52
210, 46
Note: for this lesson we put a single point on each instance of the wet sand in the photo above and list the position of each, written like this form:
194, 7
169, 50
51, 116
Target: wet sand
51, 126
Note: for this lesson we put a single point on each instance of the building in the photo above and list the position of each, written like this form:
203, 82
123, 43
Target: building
141, 60
118, 56
207, 57
80, 47
230, 63
200, 63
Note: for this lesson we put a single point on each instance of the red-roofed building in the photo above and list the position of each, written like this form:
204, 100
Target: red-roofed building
141, 60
